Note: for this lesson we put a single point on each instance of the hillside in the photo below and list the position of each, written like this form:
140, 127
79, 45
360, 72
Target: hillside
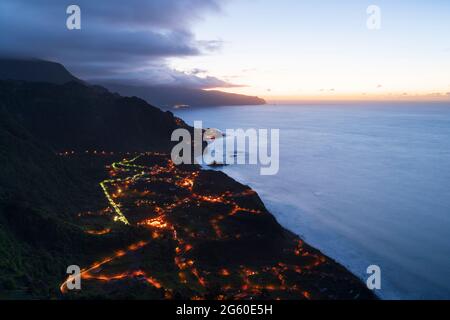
138, 226
40, 196
75, 116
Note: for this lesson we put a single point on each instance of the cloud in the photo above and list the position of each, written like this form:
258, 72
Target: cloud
439, 94
329, 90
198, 71
162, 75
208, 82
118, 39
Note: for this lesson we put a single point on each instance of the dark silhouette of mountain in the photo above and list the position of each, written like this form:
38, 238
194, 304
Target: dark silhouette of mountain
168, 97
35, 70
75, 116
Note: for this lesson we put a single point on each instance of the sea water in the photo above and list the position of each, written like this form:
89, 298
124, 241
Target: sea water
367, 184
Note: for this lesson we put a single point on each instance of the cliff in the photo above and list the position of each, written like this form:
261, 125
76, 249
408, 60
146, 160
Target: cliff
35, 70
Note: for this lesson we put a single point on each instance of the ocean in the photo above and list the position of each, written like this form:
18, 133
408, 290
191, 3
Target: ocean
367, 184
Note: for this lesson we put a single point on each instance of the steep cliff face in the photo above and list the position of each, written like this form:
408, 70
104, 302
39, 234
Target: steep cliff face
34, 70
34, 189
76, 116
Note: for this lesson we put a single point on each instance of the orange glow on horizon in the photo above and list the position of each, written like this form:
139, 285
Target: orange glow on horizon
375, 95
326, 97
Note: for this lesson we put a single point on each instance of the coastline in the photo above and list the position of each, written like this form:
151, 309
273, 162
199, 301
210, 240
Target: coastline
222, 168
151, 230
224, 243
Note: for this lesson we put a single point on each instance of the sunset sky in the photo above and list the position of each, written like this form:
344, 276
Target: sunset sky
280, 50
294, 49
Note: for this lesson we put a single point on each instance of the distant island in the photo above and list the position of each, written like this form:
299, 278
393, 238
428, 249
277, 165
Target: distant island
166, 97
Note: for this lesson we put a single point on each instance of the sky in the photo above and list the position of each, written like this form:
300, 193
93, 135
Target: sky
284, 50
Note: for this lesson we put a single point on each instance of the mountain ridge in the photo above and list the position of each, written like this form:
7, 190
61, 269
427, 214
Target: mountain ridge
35, 70
165, 97
75, 116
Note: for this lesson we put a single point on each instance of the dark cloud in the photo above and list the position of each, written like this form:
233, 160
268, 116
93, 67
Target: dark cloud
162, 75
198, 71
127, 40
